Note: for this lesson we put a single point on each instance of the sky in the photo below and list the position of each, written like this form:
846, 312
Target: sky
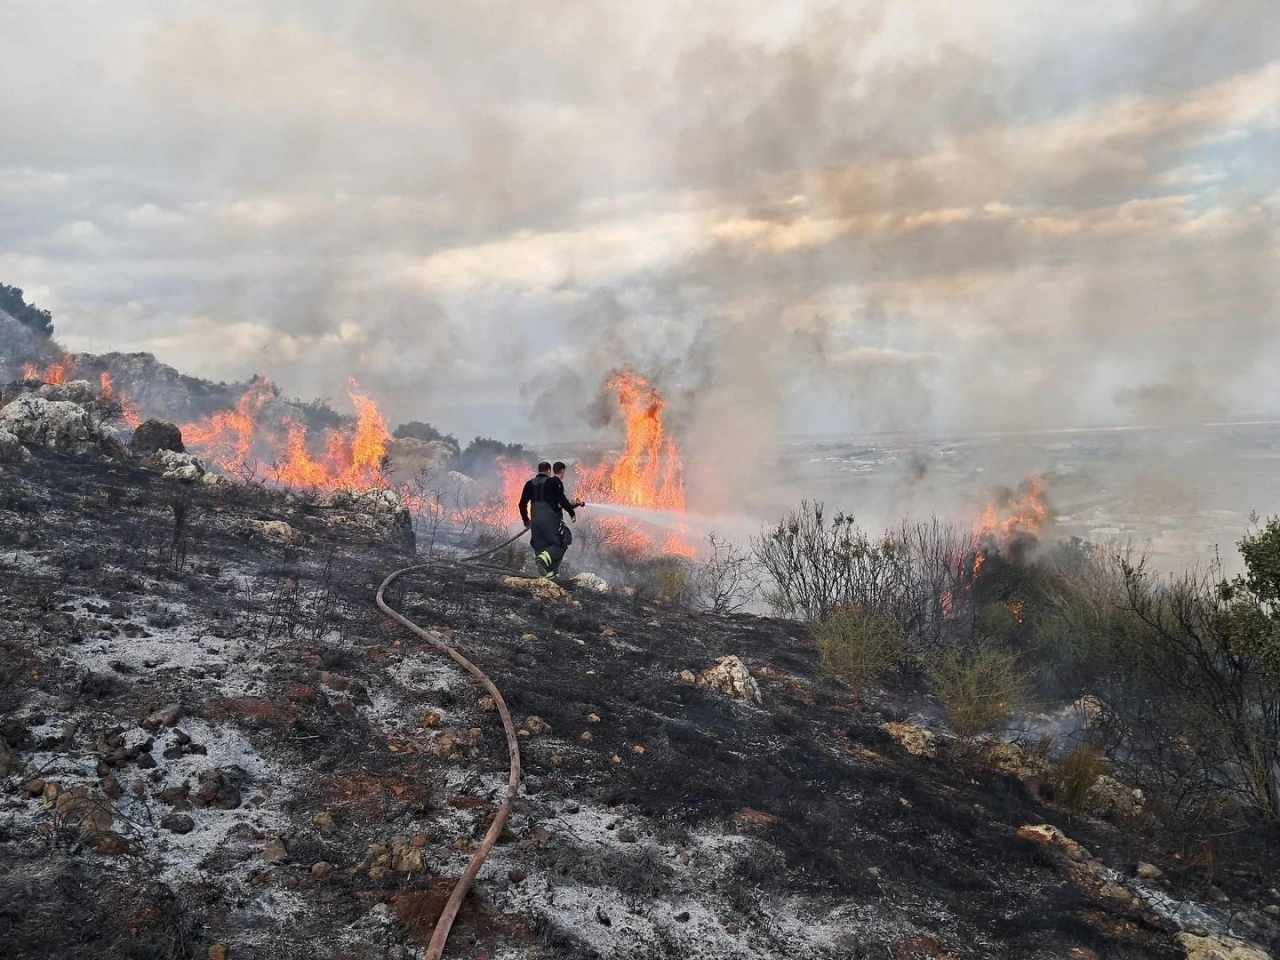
796, 218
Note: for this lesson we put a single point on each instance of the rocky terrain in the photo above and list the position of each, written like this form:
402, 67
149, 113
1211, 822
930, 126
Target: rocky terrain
213, 745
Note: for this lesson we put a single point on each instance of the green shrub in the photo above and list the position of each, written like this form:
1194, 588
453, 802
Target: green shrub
1075, 776
979, 689
858, 646
671, 579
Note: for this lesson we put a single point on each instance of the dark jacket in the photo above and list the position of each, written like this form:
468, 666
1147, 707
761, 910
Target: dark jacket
548, 491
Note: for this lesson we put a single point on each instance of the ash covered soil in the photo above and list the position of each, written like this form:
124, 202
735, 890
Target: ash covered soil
214, 745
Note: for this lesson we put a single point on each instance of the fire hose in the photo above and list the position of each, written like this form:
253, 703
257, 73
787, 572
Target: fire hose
439, 936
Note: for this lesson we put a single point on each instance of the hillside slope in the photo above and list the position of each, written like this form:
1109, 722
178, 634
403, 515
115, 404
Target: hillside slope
212, 739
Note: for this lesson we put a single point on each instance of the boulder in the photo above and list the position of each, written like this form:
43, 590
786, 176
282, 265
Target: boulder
1219, 948
1109, 799
589, 581
729, 676
917, 741
54, 424
12, 450
538, 586
1047, 835
378, 511
178, 466
155, 435
74, 391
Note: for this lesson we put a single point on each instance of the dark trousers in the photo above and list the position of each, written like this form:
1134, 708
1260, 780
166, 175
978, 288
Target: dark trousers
549, 535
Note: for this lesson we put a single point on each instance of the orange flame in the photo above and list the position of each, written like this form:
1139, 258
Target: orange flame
56, 373
226, 439
1014, 514
648, 473
237, 441
128, 410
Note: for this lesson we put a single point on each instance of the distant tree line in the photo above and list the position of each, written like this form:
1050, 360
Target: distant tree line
479, 458
29, 315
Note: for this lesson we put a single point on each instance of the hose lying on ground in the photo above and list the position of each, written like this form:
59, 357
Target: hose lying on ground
440, 935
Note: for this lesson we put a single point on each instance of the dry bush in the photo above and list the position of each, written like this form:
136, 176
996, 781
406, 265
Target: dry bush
725, 581
979, 689
1076, 775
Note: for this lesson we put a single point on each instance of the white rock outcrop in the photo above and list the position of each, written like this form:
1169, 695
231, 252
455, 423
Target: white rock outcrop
54, 424
75, 391
1215, 948
179, 466
730, 676
589, 581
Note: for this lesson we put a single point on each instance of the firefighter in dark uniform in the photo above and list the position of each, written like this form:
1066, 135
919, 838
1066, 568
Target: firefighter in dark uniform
543, 504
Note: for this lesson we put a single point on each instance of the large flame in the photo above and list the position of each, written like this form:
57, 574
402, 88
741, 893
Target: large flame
56, 373
128, 410
227, 438
647, 474
1014, 515
239, 441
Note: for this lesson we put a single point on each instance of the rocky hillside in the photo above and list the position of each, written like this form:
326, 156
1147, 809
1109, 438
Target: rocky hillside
211, 744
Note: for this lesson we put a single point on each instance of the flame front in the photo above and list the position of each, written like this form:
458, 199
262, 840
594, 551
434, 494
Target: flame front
239, 441
227, 438
648, 473
1021, 514
128, 410
56, 373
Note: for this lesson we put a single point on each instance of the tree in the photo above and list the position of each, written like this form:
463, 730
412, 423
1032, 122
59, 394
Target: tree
417, 430
482, 456
1253, 598
30, 316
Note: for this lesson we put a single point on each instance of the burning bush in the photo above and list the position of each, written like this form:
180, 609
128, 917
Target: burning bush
858, 647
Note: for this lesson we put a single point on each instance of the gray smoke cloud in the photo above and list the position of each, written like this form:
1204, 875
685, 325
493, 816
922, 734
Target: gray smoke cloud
793, 218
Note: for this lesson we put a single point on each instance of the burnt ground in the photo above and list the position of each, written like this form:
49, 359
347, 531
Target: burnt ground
214, 738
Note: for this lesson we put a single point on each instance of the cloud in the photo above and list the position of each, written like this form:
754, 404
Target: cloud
805, 217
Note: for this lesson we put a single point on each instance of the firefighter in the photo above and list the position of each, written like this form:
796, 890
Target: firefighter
543, 504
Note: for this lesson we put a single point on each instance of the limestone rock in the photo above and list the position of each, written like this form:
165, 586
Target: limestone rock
1109, 799
275, 851
178, 466
917, 741
589, 581
1050, 836
538, 586
12, 450
1215, 948
729, 675
74, 391
54, 424
1016, 760
378, 511
155, 435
